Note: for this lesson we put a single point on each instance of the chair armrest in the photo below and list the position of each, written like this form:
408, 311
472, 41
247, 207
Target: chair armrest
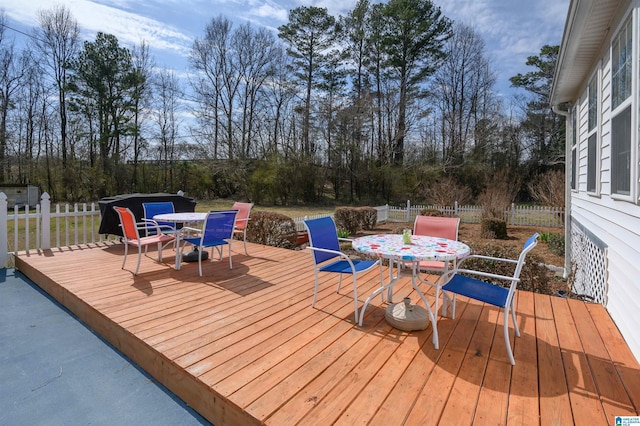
478, 256
486, 274
337, 253
445, 277
188, 228
346, 240
150, 223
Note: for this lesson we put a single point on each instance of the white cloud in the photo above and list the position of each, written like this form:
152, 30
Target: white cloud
129, 27
512, 30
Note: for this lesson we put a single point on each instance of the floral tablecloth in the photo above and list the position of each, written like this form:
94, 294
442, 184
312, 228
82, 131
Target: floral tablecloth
391, 246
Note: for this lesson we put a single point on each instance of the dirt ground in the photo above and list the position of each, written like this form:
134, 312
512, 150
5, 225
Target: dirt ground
469, 234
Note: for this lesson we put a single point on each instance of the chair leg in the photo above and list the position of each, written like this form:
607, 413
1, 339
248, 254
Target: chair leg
515, 321
126, 249
355, 297
315, 289
139, 257
230, 262
506, 336
200, 261
244, 240
381, 284
339, 283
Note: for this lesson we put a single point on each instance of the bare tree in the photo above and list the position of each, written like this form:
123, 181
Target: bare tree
57, 39
12, 73
168, 93
462, 86
140, 98
216, 84
256, 54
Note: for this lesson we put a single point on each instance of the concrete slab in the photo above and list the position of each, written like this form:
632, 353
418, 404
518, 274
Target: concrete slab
55, 371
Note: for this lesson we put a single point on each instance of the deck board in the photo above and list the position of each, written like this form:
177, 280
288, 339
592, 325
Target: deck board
244, 346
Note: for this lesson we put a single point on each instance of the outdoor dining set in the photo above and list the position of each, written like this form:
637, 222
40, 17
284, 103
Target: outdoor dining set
162, 226
431, 249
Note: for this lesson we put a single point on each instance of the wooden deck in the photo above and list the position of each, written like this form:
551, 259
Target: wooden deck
244, 346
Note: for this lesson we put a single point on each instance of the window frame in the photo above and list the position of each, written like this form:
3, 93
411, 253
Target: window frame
593, 133
631, 102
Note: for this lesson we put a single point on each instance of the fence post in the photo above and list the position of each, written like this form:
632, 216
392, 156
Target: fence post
513, 214
408, 210
3, 230
455, 209
45, 211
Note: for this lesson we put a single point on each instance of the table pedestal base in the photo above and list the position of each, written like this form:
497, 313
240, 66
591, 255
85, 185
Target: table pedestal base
192, 256
407, 317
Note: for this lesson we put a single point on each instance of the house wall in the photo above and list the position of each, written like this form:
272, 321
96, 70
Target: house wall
611, 224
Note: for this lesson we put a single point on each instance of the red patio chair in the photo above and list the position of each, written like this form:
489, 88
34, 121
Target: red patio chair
434, 226
242, 221
131, 235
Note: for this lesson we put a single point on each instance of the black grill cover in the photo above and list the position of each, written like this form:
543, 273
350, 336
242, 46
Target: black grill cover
110, 223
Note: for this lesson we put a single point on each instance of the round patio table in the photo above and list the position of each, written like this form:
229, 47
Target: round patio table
183, 217
421, 248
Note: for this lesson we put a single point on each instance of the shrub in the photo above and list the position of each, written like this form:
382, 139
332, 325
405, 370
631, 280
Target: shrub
272, 229
431, 212
548, 188
347, 218
555, 241
446, 191
368, 217
493, 228
497, 197
534, 276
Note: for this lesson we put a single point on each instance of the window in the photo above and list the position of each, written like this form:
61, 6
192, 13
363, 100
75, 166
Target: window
621, 152
592, 153
592, 134
621, 78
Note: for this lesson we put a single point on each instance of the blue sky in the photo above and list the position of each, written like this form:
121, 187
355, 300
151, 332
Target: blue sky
512, 30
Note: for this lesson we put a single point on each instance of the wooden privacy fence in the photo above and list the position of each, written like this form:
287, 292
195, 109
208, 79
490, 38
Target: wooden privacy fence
37, 227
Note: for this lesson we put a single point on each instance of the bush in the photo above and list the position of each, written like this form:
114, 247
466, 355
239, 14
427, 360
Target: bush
493, 229
534, 276
368, 217
272, 229
500, 192
555, 241
347, 218
431, 212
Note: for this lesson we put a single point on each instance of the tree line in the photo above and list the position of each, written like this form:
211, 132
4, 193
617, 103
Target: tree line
382, 104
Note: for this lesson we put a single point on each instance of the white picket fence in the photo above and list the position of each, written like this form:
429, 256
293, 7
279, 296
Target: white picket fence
548, 217
39, 228
517, 215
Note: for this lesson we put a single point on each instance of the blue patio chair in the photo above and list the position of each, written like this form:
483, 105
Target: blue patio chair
217, 232
327, 257
487, 292
152, 209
